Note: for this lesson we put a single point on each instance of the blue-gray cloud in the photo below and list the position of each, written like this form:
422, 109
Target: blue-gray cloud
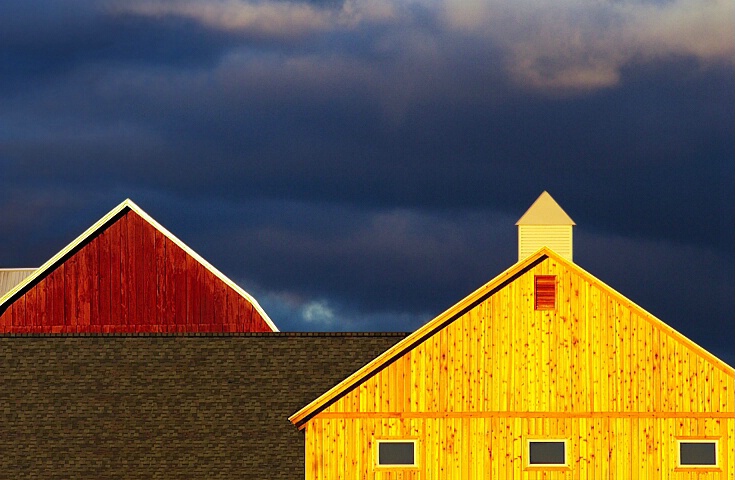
365, 161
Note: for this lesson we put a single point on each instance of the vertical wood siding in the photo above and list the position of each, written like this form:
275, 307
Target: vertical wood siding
492, 447
594, 371
130, 278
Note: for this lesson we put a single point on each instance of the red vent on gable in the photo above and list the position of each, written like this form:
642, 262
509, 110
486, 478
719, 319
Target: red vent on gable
545, 292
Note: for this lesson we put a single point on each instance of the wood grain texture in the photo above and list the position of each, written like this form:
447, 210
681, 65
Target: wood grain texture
619, 387
130, 278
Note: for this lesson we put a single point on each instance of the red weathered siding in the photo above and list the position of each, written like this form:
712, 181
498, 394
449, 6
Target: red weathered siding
130, 278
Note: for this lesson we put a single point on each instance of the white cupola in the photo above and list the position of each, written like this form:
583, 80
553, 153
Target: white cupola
545, 224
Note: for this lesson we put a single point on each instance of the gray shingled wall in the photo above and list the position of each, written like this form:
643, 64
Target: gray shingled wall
166, 407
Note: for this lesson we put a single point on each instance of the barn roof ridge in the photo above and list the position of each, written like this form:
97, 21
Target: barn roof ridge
101, 223
300, 417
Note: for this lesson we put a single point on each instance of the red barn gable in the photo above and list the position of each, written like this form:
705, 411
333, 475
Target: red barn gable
128, 274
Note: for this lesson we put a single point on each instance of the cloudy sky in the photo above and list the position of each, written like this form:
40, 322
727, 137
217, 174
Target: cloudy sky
360, 165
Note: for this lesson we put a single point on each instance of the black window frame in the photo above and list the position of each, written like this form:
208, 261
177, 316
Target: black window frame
690, 441
563, 441
387, 441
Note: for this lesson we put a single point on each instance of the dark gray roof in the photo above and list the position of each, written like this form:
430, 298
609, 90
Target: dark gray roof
166, 406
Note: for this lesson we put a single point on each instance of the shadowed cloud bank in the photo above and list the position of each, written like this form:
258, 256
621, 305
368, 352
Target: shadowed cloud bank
360, 165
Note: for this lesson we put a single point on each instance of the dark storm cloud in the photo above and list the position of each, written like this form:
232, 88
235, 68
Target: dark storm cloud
396, 259
344, 268
636, 146
690, 288
361, 164
41, 41
40, 53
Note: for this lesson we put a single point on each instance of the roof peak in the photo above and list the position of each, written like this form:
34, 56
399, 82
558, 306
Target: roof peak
545, 211
10, 295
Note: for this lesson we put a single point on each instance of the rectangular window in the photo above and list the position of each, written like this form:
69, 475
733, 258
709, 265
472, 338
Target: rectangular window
547, 453
396, 453
545, 292
697, 453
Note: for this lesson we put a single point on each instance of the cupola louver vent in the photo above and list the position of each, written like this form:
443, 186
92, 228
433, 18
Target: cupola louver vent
545, 224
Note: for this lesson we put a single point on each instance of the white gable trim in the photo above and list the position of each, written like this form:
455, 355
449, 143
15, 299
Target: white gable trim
129, 204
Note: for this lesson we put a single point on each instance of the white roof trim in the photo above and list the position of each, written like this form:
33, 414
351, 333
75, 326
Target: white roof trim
127, 203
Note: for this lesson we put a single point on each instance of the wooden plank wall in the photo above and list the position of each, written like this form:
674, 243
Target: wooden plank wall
492, 447
619, 385
130, 278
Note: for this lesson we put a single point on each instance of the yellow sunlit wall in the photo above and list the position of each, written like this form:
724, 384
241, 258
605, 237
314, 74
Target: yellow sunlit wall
597, 371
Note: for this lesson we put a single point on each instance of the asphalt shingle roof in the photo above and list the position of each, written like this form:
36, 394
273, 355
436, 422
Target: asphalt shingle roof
166, 406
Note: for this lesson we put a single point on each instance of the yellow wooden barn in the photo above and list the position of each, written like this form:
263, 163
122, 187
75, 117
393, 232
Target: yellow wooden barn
543, 372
